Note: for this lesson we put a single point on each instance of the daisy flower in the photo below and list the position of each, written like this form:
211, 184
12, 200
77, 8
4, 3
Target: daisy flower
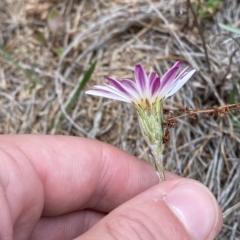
147, 95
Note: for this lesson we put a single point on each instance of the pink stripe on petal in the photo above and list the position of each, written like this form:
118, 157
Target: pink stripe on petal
110, 89
118, 85
141, 79
177, 64
125, 88
131, 86
129, 83
176, 80
180, 83
170, 75
155, 86
152, 77
114, 90
183, 72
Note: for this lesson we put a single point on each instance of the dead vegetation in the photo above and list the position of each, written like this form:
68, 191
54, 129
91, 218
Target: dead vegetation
119, 34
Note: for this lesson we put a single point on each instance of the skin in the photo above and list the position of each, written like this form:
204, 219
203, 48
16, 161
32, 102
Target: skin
59, 187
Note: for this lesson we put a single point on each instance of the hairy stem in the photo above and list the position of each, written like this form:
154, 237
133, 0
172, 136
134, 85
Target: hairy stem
158, 164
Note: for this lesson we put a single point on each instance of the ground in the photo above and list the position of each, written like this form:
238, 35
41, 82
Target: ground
42, 63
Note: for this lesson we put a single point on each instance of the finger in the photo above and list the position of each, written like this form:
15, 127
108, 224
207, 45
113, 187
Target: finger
175, 209
67, 226
56, 175
21, 193
80, 173
77, 173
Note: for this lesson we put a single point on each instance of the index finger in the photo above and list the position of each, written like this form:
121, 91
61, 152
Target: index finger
79, 173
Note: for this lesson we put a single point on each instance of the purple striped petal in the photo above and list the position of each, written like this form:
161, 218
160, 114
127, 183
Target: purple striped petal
114, 90
177, 64
126, 87
111, 89
131, 86
118, 86
176, 80
170, 75
141, 79
152, 77
183, 72
180, 83
155, 86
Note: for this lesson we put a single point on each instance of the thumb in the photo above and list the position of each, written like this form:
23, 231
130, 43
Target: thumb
175, 209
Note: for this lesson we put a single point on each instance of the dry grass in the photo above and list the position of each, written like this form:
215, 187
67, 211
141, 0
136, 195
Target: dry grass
119, 34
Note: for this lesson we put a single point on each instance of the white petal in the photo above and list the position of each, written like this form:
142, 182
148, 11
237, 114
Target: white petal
180, 83
106, 94
131, 87
112, 89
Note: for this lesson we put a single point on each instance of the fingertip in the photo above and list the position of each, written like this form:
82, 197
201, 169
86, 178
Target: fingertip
196, 208
176, 209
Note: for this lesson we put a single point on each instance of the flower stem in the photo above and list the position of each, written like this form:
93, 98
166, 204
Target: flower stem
158, 164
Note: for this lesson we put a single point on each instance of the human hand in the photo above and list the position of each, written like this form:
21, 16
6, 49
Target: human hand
56, 187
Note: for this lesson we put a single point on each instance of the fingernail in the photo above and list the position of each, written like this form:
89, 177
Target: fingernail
195, 206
